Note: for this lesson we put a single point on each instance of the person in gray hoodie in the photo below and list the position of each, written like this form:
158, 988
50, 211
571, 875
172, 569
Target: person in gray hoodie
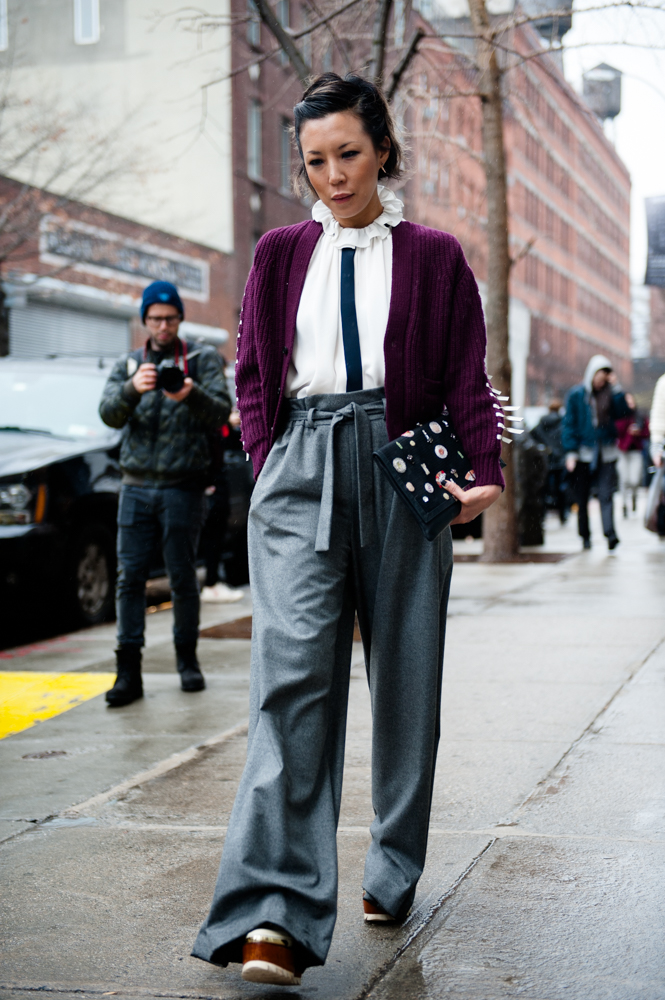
589, 439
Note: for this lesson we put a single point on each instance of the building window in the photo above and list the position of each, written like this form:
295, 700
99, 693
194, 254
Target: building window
285, 157
531, 271
532, 150
254, 154
86, 22
4, 27
306, 40
565, 235
283, 16
531, 208
253, 24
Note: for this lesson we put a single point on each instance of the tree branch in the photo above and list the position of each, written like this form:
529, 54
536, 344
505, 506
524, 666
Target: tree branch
523, 252
285, 40
404, 62
333, 34
273, 52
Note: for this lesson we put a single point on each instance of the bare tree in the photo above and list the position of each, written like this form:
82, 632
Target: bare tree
500, 529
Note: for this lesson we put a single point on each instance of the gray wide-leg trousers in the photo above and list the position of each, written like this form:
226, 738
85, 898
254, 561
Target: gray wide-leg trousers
328, 537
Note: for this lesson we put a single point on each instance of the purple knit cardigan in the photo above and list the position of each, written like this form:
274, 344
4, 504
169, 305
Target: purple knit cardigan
434, 343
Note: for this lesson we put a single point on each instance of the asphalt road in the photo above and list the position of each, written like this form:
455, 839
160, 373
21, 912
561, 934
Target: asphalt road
546, 866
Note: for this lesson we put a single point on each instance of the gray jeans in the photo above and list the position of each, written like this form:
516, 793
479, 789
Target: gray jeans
320, 490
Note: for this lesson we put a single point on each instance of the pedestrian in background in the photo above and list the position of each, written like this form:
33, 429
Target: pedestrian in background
657, 422
165, 461
632, 432
355, 326
214, 591
589, 437
548, 432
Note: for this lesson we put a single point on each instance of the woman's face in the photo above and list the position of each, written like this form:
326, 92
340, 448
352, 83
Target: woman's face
343, 166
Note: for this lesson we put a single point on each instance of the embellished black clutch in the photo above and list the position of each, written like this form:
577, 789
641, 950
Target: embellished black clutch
419, 463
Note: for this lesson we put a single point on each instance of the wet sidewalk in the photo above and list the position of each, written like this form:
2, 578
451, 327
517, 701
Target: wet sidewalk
546, 865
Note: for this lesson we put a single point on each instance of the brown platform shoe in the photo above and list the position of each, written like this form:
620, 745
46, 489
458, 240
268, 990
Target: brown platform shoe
374, 914
267, 957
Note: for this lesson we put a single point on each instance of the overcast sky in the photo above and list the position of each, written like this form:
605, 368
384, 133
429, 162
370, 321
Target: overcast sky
639, 131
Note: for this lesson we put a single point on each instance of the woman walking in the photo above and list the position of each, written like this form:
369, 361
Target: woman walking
355, 327
632, 432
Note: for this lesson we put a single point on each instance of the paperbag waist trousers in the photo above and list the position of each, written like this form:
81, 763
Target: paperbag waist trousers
328, 537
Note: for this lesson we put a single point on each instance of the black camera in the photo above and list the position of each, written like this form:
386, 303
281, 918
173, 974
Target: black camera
169, 376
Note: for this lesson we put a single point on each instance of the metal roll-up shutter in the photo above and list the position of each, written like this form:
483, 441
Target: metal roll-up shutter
41, 331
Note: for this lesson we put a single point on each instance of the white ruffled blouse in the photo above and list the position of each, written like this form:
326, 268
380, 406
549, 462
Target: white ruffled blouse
317, 364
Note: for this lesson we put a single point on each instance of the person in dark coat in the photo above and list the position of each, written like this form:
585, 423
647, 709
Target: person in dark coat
165, 461
548, 432
589, 437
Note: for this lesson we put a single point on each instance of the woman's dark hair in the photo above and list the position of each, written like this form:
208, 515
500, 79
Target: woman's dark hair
330, 94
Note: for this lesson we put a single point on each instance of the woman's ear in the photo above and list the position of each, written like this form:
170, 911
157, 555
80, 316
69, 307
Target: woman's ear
385, 149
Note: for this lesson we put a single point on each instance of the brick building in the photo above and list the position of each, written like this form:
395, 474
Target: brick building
568, 199
73, 281
262, 103
570, 193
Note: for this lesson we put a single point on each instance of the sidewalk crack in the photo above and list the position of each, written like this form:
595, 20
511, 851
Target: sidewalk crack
424, 921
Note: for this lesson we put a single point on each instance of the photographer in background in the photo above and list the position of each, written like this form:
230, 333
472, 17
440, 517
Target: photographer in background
170, 396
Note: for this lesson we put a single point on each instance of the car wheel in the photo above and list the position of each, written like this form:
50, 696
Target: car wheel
92, 583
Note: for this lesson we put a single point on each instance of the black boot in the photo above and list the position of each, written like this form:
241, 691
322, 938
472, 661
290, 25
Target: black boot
191, 678
128, 685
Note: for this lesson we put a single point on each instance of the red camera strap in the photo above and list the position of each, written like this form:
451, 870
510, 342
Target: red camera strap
178, 344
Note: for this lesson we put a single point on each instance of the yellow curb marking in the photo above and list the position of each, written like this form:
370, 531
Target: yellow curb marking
28, 697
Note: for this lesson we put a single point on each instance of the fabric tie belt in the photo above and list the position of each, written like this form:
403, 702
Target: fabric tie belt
360, 414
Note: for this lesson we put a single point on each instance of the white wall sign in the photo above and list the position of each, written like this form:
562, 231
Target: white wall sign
110, 255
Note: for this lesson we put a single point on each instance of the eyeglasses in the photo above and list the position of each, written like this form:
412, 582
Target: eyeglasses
158, 320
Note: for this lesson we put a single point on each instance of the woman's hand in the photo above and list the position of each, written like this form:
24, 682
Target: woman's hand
474, 501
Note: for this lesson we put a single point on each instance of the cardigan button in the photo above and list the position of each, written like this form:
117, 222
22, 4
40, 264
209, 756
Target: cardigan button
285, 350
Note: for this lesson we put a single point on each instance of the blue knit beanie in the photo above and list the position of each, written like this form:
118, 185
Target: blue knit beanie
164, 292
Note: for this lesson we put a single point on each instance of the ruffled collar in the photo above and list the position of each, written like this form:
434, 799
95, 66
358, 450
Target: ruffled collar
342, 236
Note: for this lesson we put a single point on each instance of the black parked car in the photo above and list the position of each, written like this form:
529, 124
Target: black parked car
59, 486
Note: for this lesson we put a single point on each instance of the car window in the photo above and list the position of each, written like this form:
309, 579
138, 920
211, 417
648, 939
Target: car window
61, 403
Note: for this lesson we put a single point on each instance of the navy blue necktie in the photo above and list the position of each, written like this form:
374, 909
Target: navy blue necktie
354, 365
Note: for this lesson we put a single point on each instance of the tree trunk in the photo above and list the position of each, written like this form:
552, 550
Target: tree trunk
378, 53
500, 530
404, 63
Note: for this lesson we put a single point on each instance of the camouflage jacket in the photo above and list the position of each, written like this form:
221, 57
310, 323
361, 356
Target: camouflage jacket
166, 443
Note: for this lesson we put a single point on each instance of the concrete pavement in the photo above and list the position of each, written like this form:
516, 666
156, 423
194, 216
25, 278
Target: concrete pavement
546, 865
